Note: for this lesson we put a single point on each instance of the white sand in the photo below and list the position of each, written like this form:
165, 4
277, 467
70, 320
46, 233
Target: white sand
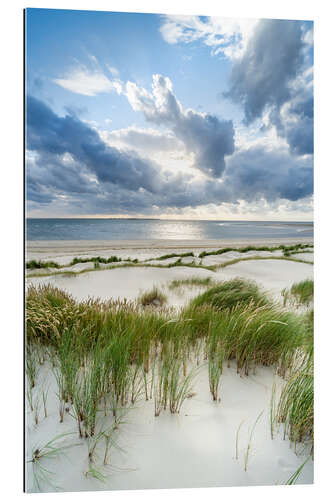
272, 275
304, 256
196, 448
64, 251
121, 283
130, 282
193, 449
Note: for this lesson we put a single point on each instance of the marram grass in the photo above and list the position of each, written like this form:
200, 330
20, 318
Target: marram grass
231, 293
109, 355
191, 282
295, 409
300, 293
153, 297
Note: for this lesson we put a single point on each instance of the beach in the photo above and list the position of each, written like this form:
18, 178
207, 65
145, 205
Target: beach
64, 250
273, 275
208, 443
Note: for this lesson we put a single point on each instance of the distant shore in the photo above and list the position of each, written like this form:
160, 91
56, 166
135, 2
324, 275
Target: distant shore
85, 246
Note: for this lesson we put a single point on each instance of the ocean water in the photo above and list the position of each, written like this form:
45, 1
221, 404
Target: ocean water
154, 229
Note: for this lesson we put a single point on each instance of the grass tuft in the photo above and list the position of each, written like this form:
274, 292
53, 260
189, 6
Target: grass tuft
153, 297
39, 264
300, 293
230, 293
250, 248
191, 282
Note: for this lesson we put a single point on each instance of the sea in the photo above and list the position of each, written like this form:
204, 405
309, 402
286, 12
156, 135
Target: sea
157, 229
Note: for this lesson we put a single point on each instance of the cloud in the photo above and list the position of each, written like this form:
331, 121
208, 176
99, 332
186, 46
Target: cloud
90, 83
204, 135
268, 78
256, 172
269, 59
70, 167
224, 36
112, 70
145, 140
294, 121
51, 135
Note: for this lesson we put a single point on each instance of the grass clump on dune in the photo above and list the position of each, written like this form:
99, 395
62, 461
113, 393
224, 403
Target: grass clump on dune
195, 281
230, 293
39, 264
172, 385
250, 248
301, 293
304, 291
43, 453
99, 260
170, 255
256, 336
49, 311
153, 297
295, 409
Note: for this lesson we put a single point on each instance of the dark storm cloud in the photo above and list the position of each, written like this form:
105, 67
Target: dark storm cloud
37, 192
297, 127
68, 164
264, 78
208, 137
259, 173
272, 59
58, 175
48, 133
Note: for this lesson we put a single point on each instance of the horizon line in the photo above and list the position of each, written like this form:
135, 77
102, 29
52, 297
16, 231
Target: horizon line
166, 219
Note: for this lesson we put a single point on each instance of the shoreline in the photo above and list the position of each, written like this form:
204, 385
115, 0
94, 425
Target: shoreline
84, 246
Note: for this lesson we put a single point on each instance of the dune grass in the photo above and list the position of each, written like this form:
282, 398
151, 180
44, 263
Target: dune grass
108, 355
295, 408
294, 477
191, 282
249, 445
301, 293
123, 263
112, 261
31, 367
43, 453
39, 264
251, 248
231, 293
171, 255
234, 313
98, 259
153, 297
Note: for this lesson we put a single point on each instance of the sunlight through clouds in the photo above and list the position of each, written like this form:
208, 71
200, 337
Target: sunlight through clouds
82, 81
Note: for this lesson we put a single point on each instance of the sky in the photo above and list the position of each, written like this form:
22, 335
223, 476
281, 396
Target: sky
188, 117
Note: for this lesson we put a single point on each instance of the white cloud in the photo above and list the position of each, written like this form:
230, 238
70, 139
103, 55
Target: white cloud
208, 138
93, 58
247, 137
146, 140
224, 35
162, 147
90, 83
112, 70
